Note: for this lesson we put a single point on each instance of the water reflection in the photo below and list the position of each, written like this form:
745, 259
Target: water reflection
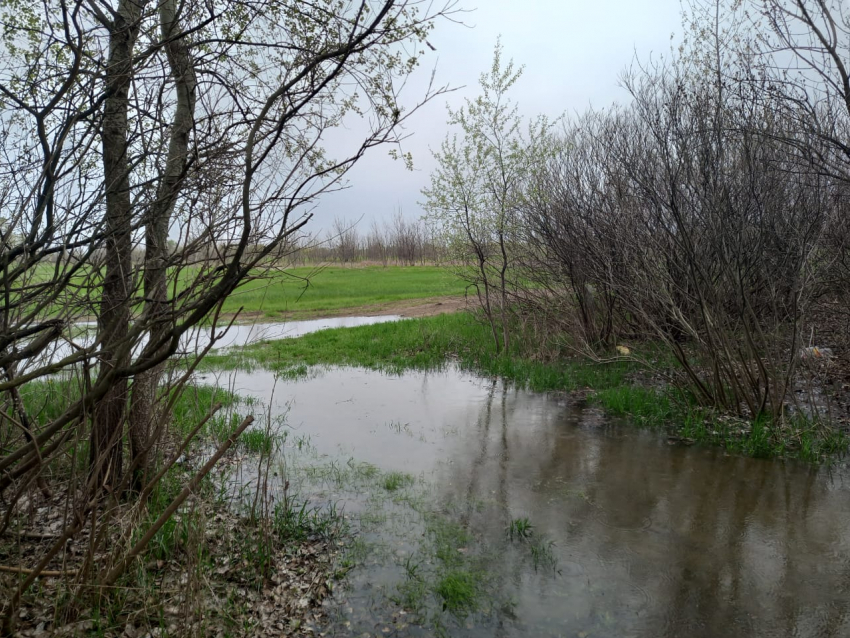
650, 539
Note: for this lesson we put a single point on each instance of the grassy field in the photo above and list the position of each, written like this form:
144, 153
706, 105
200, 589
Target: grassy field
315, 291
301, 292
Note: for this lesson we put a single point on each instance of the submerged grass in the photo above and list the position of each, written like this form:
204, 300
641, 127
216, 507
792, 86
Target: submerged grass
520, 529
257, 442
394, 481
445, 573
458, 589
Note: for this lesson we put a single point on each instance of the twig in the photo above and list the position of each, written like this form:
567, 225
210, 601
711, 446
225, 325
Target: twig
42, 574
191, 486
38, 536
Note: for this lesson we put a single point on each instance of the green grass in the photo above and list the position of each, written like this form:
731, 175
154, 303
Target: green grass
646, 405
422, 344
520, 529
195, 403
257, 442
394, 481
312, 292
45, 400
809, 440
458, 590
298, 292
297, 520
445, 572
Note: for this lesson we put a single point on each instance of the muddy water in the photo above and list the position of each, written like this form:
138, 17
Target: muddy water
645, 538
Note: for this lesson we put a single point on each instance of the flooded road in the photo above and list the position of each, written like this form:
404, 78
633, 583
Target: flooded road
628, 535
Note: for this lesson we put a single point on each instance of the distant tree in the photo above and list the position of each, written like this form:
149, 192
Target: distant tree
377, 247
344, 240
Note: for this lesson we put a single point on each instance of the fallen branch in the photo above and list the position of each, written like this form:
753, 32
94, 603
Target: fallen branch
191, 486
42, 574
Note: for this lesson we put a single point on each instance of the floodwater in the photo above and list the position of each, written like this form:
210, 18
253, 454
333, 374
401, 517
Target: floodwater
195, 340
642, 538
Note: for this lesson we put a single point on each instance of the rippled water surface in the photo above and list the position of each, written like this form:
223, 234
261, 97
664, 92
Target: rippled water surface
644, 538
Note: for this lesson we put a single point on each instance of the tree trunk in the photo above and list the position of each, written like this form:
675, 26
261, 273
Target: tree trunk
143, 403
115, 306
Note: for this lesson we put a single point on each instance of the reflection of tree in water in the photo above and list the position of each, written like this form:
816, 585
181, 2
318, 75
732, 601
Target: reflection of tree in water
670, 540
485, 428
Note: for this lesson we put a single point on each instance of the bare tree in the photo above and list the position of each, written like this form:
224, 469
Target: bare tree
377, 247
194, 130
344, 240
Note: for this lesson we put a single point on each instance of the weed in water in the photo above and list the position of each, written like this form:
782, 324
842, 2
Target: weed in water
257, 442
646, 405
296, 520
302, 442
398, 426
520, 529
543, 556
458, 590
396, 480
413, 596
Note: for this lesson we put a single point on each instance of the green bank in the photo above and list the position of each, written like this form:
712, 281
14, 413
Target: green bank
619, 385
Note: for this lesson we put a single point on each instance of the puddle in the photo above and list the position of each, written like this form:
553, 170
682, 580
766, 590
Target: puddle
633, 536
242, 335
83, 334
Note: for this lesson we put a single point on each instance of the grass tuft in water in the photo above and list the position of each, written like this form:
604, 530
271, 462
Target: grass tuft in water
520, 529
394, 481
257, 442
297, 520
543, 556
458, 590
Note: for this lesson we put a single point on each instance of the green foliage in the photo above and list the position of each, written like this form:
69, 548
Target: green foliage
473, 189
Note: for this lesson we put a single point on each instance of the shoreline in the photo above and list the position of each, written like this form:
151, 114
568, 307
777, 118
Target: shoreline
406, 308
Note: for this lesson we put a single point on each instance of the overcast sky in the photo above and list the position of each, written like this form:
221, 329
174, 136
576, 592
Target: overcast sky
573, 52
